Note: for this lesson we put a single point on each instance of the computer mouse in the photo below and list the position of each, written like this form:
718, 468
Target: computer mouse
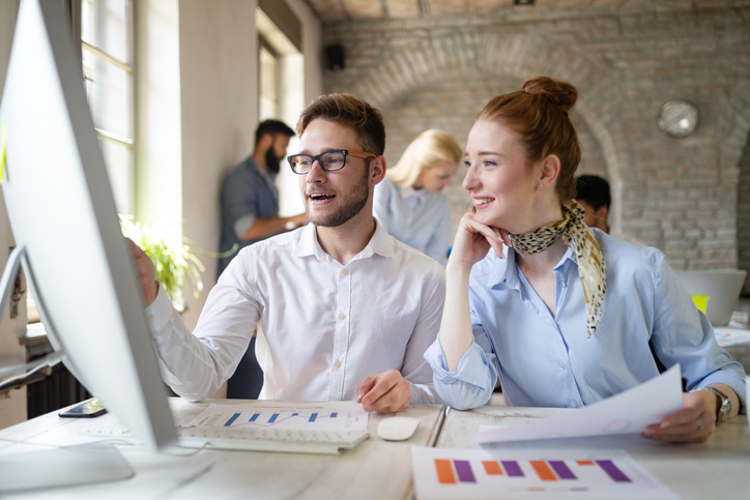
397, 428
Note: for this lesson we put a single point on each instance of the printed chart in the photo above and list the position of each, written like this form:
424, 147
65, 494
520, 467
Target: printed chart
338, 416
453, 473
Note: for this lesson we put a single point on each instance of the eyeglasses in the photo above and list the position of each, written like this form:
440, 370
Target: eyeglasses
331, 160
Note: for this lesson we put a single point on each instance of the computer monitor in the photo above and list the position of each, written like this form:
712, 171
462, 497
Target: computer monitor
63, 217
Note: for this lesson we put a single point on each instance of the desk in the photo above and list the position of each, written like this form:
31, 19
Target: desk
373, 470
719, 468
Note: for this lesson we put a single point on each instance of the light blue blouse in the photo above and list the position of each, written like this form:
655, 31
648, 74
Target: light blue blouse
419, 218
546, 360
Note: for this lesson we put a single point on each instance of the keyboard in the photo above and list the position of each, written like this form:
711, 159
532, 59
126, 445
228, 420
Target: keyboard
251, 439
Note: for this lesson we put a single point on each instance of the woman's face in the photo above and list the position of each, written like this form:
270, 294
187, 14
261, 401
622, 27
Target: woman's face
436, 178
501, 183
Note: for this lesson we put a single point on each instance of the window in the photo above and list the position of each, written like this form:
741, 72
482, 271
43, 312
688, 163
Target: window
268, 82
107, 55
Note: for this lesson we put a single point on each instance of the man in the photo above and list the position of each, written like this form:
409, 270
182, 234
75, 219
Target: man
249, 197
250, 213
344, 311
593, 196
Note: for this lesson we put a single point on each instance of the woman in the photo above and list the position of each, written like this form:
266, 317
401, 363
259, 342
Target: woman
408, 202
568, 313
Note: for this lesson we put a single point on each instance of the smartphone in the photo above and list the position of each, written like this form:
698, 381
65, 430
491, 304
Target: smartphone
88, 409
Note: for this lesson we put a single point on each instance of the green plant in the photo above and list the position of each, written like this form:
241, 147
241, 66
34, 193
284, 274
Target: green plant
175, 263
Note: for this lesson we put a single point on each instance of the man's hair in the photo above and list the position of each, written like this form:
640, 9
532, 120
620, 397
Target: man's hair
347, 110
273, 128
593, 190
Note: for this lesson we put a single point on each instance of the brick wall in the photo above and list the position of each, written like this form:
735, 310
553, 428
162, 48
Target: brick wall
679, 195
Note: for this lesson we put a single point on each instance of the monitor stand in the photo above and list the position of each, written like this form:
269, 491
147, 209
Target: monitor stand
59, 466
63, 466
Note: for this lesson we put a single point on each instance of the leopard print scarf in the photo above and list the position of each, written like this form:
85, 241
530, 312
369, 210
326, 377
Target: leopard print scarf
587, 254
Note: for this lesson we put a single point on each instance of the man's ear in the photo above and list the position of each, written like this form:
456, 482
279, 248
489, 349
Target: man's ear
603, 213
550, 169
377, 170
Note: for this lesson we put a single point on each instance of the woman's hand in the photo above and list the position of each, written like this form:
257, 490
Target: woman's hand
695, 423
474, 239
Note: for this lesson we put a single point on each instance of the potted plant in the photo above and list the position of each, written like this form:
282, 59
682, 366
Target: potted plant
174, 262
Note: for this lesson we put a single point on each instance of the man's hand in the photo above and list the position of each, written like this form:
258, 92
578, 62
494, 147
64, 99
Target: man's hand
386, 392
146, 273
695, 423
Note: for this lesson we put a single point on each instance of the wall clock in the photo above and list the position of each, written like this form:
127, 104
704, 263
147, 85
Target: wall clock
678, 118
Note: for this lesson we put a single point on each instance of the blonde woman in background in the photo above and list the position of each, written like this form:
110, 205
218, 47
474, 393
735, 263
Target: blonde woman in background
408, 202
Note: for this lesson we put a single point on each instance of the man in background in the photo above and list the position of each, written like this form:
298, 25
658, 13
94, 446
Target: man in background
249, 197
250, 213
593, 195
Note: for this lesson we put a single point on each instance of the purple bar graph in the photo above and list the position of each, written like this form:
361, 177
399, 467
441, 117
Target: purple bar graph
512, 468
611, 469
562, 470
463, 469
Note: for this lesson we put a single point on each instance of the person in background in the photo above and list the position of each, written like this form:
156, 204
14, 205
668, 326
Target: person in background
249, 197
409, 204
592, 193
250, 213
344, 311
563, 314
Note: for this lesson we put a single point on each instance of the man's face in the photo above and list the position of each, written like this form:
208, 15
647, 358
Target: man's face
276, 152
594, 218
333, 198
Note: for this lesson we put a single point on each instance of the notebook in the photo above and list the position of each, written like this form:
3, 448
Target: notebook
715, 291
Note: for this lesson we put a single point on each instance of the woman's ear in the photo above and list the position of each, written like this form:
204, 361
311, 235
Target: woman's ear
550, 169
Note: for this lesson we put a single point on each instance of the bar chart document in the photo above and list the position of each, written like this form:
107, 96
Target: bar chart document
477, 474
318, 416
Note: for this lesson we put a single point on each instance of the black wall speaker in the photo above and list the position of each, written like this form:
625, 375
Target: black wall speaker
335, 57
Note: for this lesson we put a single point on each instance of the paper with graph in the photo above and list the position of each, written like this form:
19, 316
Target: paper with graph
458, 473
323, 416
628, 412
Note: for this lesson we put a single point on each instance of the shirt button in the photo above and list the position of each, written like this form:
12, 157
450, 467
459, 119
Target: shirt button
337, 364
150, 319
562, 365
342, 316
344, 272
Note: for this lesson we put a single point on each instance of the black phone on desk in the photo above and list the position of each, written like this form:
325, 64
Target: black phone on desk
88, 409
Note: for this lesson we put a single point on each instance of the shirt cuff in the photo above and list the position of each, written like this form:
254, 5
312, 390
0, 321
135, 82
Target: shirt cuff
159, 313
472, 369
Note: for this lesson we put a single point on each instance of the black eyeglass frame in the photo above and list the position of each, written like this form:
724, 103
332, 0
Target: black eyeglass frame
313, 158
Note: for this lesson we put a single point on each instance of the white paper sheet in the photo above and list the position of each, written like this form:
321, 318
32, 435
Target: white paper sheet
729, 335
323, 416
628, 412
457, 473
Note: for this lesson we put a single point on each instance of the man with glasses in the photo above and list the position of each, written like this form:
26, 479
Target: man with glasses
344, 311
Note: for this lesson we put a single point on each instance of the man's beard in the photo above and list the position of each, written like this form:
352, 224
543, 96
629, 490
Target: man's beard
273, 163
350, 205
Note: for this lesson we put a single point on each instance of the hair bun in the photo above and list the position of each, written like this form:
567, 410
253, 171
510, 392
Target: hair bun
559, 93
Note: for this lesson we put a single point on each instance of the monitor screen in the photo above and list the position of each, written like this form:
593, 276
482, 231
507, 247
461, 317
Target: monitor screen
62, 214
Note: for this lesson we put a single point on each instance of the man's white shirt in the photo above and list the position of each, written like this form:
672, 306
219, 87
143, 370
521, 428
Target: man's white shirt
322, 327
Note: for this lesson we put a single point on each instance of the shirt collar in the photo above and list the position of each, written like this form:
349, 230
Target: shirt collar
505, 271
381, 243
